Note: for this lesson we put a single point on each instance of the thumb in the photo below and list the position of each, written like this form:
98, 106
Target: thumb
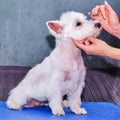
91, 39
79, 44
75, 42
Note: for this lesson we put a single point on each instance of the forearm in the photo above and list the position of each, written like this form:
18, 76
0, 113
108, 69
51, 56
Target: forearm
113, 53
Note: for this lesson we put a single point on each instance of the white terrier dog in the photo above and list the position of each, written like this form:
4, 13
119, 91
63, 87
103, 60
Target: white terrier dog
62, 72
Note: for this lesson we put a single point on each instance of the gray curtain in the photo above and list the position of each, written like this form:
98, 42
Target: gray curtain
25, 40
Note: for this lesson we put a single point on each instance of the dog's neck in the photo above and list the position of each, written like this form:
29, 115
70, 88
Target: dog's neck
67, 46
65, 41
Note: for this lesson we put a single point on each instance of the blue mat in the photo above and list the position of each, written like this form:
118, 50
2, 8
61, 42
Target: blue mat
96, 111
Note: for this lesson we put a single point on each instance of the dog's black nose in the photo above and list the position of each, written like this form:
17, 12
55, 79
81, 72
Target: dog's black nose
98, 25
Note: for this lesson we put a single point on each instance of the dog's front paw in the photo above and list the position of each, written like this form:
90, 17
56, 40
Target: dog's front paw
58, 112
65, 104
13, 105
78, 110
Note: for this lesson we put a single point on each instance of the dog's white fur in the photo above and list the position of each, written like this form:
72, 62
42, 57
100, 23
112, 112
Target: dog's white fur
62, 72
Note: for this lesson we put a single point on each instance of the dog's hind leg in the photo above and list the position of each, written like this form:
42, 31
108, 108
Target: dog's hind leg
17, 99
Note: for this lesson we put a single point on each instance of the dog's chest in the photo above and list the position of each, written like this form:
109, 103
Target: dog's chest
71, 81
69, 85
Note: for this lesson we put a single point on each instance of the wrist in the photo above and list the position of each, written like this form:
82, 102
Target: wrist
107, 51
116, 31
113, 53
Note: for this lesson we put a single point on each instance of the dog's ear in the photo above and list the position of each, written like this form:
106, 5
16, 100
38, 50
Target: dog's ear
54, 27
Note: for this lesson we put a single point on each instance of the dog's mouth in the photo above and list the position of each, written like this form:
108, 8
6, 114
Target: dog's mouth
98, 33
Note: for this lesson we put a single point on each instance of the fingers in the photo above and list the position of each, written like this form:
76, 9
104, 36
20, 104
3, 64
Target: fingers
85, 42
102, 10
91, 15
99, 10
80, 44
77, 42
92, 40
95, 10
98, 17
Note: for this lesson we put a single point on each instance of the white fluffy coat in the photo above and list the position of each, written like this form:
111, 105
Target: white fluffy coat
62, 72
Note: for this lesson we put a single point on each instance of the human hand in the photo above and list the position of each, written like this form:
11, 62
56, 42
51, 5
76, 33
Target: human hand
107, 17
92, 45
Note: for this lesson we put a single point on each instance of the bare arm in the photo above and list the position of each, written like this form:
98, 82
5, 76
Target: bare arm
96, 46
113, 53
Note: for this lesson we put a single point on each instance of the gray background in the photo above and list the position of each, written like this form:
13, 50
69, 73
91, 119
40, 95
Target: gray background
25, 40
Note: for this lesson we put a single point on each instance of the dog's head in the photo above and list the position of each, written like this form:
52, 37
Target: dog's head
74, 25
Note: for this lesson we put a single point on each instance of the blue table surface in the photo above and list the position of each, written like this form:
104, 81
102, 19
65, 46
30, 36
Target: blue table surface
96, 111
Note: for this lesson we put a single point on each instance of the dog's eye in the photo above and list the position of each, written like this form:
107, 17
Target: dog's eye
78, 24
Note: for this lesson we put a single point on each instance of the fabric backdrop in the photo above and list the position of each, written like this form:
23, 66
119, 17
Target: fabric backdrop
24, 37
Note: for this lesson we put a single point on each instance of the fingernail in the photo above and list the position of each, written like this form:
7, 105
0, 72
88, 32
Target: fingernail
104, 17
93, 13
106, 2
89, 13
